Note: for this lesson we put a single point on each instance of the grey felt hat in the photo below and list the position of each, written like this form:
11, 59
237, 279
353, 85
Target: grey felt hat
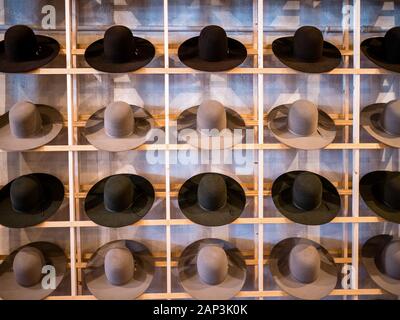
21, 271
381, 258
212, 199
119, 127
28, 126
303, 268
212, 269
301, 125
211, 126
382, 121
119, 270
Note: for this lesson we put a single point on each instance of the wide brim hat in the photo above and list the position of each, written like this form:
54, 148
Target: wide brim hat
318, 289
283, 200
97, 136
370, 121
96, 279
95, 57
188, 53
278, 124
369, 192
49, 49
226, 138
52, 123
373, 48
330, 59
11, 290
142, 202
190, 279
371, 249
53, 193
190, 207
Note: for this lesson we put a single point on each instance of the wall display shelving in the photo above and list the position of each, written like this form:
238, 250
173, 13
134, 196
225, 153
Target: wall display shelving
166, 87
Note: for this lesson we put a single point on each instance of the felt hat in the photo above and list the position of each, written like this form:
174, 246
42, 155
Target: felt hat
119, 270
119, 127
381, 258
23, 51
28, 126
21, 272
305, 197
119, 200
212, 199
212, 269
211, 126
303, 268
30, 199
301, 125
384, 51
382, 121
380, 191
307, 51
119, 51
212, 51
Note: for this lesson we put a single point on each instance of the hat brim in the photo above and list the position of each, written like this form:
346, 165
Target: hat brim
11, 290
190, 207
142, 202
188, 53
324, 213
95, 57
53, 191
369, 185
370, 121
318, 289
373, 49
278, 124
52, 124
96, 279
190, 279
283, 50
49, 50
96, 135
226, 139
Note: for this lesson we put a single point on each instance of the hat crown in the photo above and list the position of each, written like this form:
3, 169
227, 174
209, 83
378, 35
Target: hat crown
212, 265
308, 43
119, 120
391, 259
25, 119
20, 43
390, 119
119, 44
211, 115
27, 266
213, 43
26, 194
307, 191
304, 263
303, 118
391, 44
119, 266
118, 193
212, 192
391, 191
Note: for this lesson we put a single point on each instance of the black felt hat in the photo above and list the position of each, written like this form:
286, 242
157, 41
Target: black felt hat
384, 51
119, 200
307, 51
212, 51
380, 191
119, 51
30, 199
23, 51
306, 198
212, 199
